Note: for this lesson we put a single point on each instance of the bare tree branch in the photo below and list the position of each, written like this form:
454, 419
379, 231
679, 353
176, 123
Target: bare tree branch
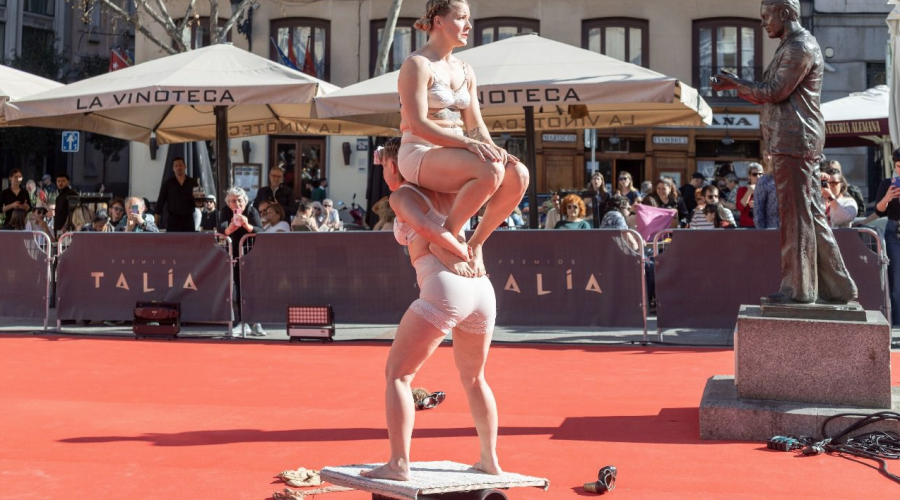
169, 24
184, 20
162, 22
223, 33
135, 21
387, 38
213, 22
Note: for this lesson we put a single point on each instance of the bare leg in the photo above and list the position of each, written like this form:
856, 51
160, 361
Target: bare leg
455, 170
504, 201
470, 352
415, 341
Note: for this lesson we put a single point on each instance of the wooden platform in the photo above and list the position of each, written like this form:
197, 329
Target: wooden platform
427, 479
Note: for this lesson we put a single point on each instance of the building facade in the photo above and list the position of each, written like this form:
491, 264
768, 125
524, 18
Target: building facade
61, 25
686, 39
854, 39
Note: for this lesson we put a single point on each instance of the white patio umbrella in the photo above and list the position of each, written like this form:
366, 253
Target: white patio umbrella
529, 70
532, 83
215, 92
16, 84
893, 22
860, 119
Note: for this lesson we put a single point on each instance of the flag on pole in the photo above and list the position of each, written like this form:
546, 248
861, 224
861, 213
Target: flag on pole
117, 61
291, 55
284, 59
309, 65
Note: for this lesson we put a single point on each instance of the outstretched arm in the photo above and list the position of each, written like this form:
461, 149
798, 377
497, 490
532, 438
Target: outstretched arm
796, 61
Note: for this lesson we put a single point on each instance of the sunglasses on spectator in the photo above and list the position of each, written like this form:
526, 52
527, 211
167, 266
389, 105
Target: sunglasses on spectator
623, 178
117, 209
755, 174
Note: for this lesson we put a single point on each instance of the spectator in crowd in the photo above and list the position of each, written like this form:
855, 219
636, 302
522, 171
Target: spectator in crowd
575, 213
319, 192
853, 191
276, 218
516, 219
840, 208
746, 195
16, 221
209, 216
99, 223
80, 216
717, 215
554, 211
276, 192
595, 198
305, 220
625, 187
238, 219
698, 216
722, 172
34, 194
617, 214
666, 196
38, 221
117, 213
711, 195
51, 216
137, 221
689, 191
888, 204
176, 200
646, 189
263, 211
765, 213
618, 211
15, 197
729, 194
329, 219
49, 188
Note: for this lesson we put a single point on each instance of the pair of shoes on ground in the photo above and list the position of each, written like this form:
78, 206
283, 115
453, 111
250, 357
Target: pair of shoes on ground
425, 400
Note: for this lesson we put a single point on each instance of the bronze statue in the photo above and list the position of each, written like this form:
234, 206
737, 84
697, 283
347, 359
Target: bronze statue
793, 131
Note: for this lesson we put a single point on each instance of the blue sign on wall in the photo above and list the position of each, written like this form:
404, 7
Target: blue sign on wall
71, 140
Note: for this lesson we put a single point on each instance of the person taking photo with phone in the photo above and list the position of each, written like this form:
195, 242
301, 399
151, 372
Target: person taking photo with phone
136, 221
889, 204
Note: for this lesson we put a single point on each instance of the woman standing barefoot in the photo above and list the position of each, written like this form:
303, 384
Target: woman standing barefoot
450, 300
438, 98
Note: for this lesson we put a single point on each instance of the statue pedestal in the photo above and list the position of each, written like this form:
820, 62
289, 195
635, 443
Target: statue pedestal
793, 373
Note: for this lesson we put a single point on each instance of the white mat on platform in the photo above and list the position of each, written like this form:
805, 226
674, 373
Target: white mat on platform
427, 478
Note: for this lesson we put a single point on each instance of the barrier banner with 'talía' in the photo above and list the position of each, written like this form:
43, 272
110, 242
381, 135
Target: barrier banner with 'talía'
566, 278
101, 276
704, 276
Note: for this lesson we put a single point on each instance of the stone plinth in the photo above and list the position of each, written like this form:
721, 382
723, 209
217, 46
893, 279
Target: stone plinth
724, 416
820, 362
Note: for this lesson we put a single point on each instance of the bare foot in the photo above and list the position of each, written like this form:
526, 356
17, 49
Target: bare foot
387, 471
477, 261
489, 467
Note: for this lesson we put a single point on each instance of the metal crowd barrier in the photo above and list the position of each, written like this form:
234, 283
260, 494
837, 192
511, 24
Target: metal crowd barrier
39, 249
870, 238
222, 242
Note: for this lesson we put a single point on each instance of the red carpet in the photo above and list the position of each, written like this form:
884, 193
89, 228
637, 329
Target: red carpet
111, 419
